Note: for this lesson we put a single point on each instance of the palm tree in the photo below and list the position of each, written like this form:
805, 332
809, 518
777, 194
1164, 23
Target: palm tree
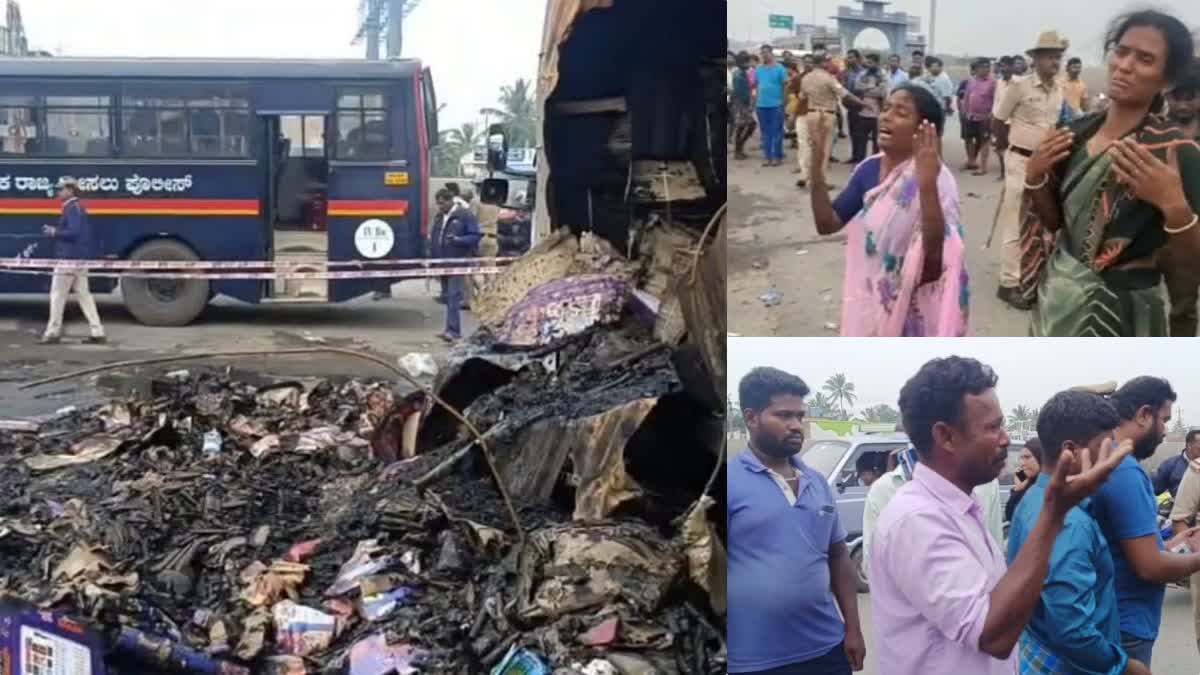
454, 144
822, 404
1019, 414
882, 414
841, 392
517, 112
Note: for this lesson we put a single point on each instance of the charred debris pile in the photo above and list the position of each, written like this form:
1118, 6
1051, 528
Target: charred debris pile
346, 526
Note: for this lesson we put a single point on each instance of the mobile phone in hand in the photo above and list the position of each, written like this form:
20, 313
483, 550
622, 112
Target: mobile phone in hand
1020, 475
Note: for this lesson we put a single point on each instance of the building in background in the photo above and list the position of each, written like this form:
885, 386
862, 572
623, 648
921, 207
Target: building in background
13, 41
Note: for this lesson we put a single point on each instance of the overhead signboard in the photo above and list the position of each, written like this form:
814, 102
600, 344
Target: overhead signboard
783, 21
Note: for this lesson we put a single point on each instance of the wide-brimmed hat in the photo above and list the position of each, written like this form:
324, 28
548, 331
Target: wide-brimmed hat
1050, 41
1101, 389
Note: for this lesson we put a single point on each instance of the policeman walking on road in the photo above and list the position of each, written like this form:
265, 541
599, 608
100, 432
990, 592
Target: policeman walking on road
72, 241
459, 238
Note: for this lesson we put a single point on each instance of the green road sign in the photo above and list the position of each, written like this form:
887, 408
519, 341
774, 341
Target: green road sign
782, 21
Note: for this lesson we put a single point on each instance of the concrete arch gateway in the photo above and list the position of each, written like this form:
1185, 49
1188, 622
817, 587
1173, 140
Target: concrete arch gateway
899, 28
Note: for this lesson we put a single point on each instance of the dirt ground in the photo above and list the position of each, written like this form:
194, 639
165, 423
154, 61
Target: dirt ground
773, 244
409, 322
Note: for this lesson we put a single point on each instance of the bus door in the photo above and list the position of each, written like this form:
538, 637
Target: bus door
375, 183
296, 194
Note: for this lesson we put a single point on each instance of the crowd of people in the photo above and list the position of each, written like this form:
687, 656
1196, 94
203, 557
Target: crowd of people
1100, 198
1078, 587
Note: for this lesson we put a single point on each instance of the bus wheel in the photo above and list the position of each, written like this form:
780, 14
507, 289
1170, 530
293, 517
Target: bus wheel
164, 302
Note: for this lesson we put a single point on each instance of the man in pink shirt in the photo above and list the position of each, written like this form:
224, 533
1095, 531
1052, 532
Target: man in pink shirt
941, 598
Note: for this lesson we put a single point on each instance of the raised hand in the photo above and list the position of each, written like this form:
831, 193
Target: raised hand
1064, 491
927, 154
1054, 148
1152, 180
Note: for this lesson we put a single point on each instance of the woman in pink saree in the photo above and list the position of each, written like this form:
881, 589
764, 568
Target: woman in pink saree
906, 270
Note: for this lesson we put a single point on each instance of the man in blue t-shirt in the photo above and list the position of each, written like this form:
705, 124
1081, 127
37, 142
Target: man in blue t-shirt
1128, 515
789, 571
770, 79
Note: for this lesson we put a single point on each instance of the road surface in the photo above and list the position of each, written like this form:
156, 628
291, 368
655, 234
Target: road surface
1174, 653
409, 322
773, 244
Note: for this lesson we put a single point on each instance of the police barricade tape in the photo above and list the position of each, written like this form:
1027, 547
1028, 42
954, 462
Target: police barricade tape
105, 264
290, 274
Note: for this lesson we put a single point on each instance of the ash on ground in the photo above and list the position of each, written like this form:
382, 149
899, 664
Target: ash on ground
354, 527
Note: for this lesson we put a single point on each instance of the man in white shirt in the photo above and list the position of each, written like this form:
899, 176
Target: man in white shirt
882, 491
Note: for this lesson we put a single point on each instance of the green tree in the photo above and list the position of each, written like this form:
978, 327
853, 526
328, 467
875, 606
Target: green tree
882, 414
821, 405
735, 421
841, 393
453, 145
517, 112
1018, 417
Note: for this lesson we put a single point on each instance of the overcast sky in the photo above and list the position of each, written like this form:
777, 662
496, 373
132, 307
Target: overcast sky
473, 46
1030, 370
968, 26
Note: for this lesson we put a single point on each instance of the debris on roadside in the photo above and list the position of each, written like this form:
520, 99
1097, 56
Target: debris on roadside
353, 527
771, 298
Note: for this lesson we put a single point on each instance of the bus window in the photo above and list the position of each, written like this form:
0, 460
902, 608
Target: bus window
304, 134
77, 126
150, 133
18, 125
181, 121
220, 121
431, 107
362, 125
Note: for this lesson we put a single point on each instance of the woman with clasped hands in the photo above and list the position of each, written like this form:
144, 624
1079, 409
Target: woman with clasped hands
905, 258
1114, 196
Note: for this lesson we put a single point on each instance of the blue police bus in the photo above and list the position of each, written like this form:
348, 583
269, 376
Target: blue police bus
214, 159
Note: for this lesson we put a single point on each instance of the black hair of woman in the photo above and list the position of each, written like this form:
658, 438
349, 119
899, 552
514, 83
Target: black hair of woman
928, 107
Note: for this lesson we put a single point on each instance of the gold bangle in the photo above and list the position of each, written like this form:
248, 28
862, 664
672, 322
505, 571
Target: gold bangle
1040, 185
1192, 223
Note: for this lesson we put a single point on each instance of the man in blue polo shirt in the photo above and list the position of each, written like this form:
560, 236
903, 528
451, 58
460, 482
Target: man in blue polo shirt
1128, 515
788, 562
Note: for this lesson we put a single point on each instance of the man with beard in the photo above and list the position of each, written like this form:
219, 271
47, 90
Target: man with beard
1077, 627
789, 570
942, 599
1182, 277
1128, 515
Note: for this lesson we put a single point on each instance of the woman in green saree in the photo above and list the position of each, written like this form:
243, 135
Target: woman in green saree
1113, 196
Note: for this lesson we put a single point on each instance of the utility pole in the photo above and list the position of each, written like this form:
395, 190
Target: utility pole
395, 16
932, 25
371, 28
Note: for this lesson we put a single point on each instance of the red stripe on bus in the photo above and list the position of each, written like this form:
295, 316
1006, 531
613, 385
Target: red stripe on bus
368, 204
423, 146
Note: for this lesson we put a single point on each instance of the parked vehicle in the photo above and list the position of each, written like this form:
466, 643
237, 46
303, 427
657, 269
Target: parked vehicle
217, 159
837, 459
